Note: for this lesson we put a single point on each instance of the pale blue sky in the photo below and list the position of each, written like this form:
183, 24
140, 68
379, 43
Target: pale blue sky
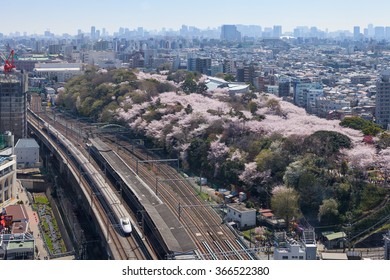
67, 16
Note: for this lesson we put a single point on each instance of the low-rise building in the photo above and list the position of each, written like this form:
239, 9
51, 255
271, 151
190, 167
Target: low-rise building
27, 152
61, 72
335, 240
288, 248
214, 83
244, 217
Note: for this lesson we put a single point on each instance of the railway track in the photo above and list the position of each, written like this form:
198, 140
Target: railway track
214, 240
202, 223
126, 247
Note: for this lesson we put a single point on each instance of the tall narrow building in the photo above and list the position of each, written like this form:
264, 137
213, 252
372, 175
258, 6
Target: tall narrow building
13, 102
382, 105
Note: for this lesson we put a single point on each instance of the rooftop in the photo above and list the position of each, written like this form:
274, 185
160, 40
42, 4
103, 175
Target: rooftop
26, 244
27, 143
335, 235
240, 207
59, 69
18, 212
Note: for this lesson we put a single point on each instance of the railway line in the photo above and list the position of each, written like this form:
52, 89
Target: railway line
212, 237
103, 199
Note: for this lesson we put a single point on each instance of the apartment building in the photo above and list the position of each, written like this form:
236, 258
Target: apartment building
382, 106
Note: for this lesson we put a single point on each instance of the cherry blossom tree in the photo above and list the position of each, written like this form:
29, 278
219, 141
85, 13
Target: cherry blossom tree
217, 154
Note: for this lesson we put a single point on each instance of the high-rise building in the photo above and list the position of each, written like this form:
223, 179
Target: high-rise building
305, 92
370, 30
356, 32
284, 87
230, 33
277, 31
201, 65
382, 105
93, 32
379, 32
13, 100
245, 74
387, 32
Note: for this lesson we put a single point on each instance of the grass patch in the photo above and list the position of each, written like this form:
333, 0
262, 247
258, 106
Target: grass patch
247, 233
204, 196
39, 199
42, 202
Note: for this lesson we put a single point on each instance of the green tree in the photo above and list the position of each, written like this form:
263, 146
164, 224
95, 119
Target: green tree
230, 170
284, 203
201, 88
188, 109
327, 143
344, 167
264, 160
229, 78
310, 188
384, 141
197, 155
358, 123
328, 212
189, 86
293, 172
252, 107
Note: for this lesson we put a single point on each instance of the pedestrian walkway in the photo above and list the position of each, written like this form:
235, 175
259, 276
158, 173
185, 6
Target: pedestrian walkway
33, 222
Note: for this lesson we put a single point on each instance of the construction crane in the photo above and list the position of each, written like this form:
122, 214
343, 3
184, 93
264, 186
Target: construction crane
8, 62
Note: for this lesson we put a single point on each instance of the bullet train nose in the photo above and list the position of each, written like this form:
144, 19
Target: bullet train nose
126, 225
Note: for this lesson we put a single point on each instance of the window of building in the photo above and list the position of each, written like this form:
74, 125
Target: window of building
285, 258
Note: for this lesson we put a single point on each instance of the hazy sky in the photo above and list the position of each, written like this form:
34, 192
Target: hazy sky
67, 16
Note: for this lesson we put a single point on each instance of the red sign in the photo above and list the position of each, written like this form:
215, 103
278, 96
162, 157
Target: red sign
8, 220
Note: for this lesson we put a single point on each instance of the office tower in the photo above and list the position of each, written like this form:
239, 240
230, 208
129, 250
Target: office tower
93, 32
370, 30
230, 33
387, 32
356, 32
382, 106
313, 31
277, 31
13, 104
379, 32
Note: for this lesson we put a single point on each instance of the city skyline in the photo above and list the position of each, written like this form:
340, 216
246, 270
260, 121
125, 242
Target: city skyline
70, 16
